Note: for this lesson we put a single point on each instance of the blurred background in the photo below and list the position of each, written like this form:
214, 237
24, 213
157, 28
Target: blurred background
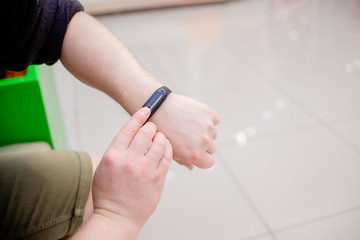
284, 77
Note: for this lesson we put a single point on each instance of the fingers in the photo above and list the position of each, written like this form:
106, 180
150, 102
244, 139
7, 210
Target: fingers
207, 161
212, 130
143, 139
213, 134
186, 164
216, 118
157, 149
165, 161
123, 139
212, 147
160, 154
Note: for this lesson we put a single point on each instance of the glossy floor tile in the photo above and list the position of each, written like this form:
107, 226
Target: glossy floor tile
342, 226
297, 177
338, 98
284, 77
203, 204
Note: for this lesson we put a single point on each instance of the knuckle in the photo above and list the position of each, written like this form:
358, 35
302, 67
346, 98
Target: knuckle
205, 140
140, 118
153, 177
109, 158
158, 147
215, 134
156, 152
127, 131
216, 116
161, 141
146, 171
210, 126
170, 152
212, 149
149, 130
212, 114
147, 133
193, 154
156, 179
151, 125
128, 168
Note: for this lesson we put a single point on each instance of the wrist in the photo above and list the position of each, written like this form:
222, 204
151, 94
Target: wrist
117, 225
166, 113
140, 95
157, 99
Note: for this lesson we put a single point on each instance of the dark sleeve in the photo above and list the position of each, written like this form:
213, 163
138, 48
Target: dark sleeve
32, 31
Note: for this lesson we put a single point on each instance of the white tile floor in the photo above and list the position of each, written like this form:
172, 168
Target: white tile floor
284, 77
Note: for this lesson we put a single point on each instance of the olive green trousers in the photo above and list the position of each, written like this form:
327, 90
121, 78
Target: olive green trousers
42, 193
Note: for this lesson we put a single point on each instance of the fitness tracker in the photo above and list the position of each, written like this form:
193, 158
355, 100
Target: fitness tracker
156, 99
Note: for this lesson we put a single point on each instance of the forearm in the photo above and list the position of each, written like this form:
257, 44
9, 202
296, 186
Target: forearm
99, 59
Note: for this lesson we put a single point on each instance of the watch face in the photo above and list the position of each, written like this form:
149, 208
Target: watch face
155, 101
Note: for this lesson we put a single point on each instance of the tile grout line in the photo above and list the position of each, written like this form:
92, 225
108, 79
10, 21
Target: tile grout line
320, 120
338, 135
262, 219
247, 198
319, 219
311, 113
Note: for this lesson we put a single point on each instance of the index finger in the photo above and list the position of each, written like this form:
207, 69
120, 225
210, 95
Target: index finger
123, 139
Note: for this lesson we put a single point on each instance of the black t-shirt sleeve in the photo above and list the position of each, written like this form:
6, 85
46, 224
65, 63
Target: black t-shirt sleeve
33, 31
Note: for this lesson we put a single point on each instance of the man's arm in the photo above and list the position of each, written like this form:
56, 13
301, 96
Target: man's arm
99, 59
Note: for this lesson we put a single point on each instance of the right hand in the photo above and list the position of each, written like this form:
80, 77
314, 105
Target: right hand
130, 178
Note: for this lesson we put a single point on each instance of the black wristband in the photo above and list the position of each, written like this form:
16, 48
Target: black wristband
156, 99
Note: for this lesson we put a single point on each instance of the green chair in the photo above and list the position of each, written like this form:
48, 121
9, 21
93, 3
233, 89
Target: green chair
30, 110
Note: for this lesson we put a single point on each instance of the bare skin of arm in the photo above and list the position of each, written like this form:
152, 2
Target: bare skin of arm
99, 59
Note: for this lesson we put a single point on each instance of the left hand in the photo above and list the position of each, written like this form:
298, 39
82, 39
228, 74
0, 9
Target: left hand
190, 127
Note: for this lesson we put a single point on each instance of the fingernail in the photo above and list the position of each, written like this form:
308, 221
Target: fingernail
145, 110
